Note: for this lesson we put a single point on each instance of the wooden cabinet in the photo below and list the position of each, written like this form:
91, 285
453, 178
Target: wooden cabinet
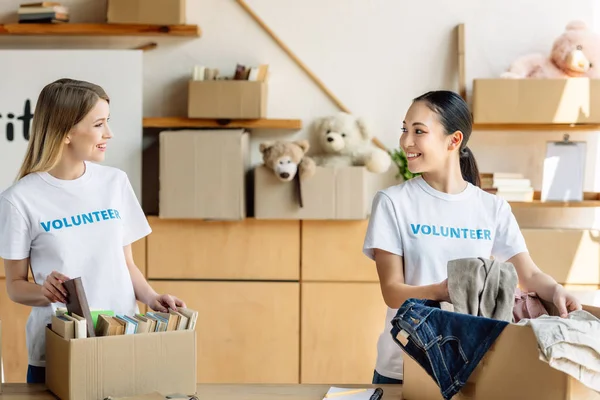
332, 251
247, 332
14, 349
571, 256
249, 249
341, 323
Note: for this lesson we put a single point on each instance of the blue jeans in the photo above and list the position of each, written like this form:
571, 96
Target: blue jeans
448, 345
379, 379
36, 374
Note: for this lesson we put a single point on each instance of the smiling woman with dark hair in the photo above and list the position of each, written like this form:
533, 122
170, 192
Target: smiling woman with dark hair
418, 226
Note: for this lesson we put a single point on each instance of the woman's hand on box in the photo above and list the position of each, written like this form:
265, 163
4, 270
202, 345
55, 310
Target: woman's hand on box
162, 302
565, 301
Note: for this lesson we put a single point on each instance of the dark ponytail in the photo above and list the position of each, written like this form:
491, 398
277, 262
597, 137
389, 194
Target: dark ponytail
454, 115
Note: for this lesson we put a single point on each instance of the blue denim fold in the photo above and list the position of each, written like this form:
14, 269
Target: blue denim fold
448, 345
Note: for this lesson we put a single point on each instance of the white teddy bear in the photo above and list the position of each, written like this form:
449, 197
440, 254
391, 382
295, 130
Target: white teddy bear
345, 140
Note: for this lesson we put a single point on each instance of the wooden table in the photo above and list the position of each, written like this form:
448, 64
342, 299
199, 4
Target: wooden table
22, 391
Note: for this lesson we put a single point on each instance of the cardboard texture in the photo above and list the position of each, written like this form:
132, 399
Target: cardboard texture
332, 193
536, 101
202, 174
510, 369
154, 12
125, 365
227, 99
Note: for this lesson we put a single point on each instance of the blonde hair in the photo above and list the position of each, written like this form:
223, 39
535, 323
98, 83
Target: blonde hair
61, 105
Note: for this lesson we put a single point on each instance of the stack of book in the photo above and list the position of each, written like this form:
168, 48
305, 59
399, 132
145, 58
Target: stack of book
242, 73
70, 325
510, 186
77, 321
44, 12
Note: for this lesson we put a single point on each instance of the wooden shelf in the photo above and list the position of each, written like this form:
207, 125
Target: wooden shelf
181, 122
590, 199
536, 127
85, 29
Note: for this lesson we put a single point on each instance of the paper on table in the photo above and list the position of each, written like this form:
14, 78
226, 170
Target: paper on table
340, 393
563, 174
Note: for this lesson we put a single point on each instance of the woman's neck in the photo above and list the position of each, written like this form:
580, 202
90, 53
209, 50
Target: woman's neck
68, 170
449, 180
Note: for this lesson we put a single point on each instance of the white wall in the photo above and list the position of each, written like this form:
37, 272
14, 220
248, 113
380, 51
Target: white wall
374, 55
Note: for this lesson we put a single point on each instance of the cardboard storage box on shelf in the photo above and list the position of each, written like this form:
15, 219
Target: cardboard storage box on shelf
94, 368
227, 99
536, 101
332, 193
153, 12
511, 369
202, 174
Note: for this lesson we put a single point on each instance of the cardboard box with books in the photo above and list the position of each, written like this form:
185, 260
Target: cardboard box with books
94, 354
241, 96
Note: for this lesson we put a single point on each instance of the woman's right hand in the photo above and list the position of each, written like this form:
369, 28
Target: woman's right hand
53, 289
443, 294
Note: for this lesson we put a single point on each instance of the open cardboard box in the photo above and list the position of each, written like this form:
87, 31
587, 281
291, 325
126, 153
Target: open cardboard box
511, 369
331, 194
94, 368
536, 101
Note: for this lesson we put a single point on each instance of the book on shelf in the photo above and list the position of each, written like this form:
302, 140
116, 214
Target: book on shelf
508, 185
43, 12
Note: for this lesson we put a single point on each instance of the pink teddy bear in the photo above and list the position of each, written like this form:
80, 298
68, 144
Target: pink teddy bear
575, 53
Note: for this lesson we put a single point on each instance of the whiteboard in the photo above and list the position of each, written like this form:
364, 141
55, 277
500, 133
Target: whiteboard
564, 169
24, 73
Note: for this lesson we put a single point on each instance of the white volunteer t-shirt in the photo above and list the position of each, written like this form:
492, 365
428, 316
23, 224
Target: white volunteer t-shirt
77, 227
428, 228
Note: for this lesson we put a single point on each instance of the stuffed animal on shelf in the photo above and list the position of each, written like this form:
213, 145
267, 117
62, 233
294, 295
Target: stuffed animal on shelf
287, 158
345, 140
575, 53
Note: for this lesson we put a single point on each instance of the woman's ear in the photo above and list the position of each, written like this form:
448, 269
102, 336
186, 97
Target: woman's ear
455, 140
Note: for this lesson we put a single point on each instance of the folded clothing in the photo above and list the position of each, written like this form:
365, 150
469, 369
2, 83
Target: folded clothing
527, 305
570, 345
448, 345
482, 287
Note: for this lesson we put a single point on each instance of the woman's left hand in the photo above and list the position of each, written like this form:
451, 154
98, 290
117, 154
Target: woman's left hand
162, 303
564, 301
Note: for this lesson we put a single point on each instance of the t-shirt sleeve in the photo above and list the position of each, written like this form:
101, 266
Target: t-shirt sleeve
383, 230
508, 240
15, 237
135, 223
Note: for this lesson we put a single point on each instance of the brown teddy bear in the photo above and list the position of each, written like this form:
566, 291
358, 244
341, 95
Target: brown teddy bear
287, 158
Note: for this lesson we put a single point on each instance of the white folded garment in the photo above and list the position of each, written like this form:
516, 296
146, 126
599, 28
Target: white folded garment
571, 345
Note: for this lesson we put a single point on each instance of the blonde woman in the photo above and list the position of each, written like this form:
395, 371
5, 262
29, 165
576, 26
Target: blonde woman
67, 216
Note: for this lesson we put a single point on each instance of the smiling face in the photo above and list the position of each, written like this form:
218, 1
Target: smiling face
424, 140
87, 140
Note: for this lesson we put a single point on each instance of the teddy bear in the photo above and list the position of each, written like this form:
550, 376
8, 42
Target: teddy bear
345, 140
575, 53
286, 159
